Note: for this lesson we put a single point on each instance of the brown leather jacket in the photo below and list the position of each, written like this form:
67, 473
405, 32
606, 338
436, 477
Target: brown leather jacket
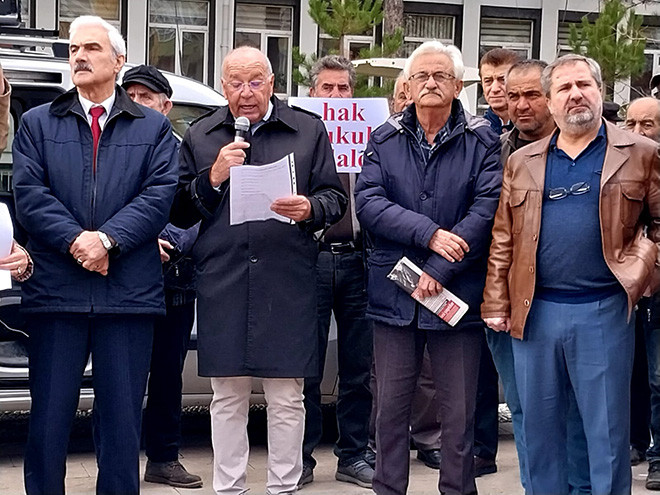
629, 201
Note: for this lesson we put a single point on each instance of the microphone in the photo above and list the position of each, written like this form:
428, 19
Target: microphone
242, 128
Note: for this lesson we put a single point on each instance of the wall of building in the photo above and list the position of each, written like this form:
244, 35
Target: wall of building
474, 28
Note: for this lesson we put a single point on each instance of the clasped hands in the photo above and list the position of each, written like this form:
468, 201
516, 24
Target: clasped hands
452, 248
89, 252
296, 207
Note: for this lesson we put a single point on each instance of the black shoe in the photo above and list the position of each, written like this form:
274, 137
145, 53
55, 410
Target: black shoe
370, 457
484, 466
307, 476
636, 456
171, 473
430, 457
653, 478
359, 472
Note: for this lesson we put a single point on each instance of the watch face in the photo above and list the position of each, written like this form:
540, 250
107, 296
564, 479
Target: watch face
105, 241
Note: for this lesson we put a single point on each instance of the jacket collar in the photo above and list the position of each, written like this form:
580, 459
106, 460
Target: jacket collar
281, 113
616, 155
409, 118
69, 103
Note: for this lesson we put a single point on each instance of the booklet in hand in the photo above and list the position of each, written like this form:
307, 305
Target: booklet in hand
445, 305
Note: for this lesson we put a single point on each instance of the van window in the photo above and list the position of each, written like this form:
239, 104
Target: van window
182, 115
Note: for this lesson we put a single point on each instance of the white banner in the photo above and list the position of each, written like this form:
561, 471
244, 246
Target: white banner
350, 122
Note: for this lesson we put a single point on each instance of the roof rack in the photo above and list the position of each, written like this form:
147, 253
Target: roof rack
40, 42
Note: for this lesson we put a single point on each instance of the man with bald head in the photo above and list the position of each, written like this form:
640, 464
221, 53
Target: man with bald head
256, 281
400, 96
643, 118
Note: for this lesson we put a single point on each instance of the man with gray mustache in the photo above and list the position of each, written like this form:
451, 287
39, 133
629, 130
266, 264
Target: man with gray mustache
94, 178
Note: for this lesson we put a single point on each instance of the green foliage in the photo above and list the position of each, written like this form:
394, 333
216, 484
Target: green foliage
615, 40
363, 90
340, 17
302, 65
391, 44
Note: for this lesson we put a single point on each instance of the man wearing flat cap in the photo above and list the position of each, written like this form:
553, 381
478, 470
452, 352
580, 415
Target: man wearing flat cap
162, 417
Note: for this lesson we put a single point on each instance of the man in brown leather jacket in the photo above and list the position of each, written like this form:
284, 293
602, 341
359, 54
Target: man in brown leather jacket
567, 264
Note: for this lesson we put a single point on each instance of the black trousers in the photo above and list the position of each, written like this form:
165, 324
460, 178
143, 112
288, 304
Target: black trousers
640, 392
59, 348
454, 356
162, 416
488, 399
341, 289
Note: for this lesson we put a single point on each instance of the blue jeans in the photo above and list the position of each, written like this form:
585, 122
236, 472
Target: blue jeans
587, 348
341, 289
500, 344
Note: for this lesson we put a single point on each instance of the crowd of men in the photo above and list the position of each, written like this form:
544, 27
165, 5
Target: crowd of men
543, 217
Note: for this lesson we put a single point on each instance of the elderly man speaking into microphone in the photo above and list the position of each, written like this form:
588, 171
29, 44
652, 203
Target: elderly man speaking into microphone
256, 281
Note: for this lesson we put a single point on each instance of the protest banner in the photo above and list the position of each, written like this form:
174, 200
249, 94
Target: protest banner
350, 122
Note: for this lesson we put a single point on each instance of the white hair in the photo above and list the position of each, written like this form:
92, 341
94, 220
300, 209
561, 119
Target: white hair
434, 46
116, 40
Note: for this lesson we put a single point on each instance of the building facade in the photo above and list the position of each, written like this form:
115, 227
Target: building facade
191, 37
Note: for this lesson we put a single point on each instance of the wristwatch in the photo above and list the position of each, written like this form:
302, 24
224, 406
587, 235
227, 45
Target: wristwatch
105, 241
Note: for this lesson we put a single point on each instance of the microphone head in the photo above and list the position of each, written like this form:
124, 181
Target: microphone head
242, 124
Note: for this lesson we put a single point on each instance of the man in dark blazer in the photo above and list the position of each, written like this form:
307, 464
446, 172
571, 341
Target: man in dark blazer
256, 281
94, 177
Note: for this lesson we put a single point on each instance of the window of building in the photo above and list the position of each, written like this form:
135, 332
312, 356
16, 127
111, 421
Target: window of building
514, 34
25, 13
419, 28
353, 43
639, 86
70, 9
270, 29
563, 33
179, 37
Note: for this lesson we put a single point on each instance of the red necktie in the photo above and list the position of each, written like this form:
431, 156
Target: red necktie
96, 112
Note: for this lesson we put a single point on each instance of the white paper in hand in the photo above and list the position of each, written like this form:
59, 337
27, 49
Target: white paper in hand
253, 188
6, 239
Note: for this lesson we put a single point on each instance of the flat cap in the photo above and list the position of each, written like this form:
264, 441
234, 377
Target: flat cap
148, 76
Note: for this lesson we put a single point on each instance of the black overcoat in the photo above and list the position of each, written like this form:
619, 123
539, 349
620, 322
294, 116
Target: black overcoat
256, 282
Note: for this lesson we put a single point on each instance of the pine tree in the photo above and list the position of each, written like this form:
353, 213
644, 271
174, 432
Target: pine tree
341, 17
615, 40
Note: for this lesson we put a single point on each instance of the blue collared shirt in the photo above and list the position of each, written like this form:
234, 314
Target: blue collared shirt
440, 138
570, 255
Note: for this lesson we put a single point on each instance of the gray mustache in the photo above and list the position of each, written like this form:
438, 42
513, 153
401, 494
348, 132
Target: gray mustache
82, 66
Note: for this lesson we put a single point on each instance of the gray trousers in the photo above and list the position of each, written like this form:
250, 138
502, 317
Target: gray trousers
454, 358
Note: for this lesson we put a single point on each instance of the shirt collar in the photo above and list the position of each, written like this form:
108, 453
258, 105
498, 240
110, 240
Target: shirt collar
106, 104
442, 134
256, 125
601, 135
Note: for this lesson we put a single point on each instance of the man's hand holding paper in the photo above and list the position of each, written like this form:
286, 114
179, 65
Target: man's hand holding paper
263, 192
296, 207
426, 287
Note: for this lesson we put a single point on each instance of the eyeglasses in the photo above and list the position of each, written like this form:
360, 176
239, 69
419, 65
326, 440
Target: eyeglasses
575, 190
253, 85
439, 77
